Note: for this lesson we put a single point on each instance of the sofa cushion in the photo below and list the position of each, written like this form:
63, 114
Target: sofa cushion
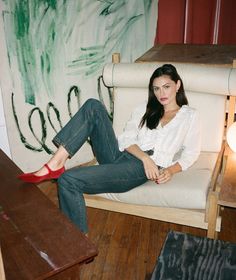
187, 189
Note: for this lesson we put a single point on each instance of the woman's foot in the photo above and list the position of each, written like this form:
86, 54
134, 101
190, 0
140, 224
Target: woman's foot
44, 174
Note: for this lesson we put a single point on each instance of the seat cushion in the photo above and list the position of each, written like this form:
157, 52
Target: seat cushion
187, 189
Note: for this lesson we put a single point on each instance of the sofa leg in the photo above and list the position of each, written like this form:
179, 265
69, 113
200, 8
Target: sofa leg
212, 215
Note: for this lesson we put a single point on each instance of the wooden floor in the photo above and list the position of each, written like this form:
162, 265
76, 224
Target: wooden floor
128, 245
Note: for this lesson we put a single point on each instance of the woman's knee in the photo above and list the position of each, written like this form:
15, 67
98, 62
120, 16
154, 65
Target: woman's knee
67, 182
64, 182
93, 103
61, 180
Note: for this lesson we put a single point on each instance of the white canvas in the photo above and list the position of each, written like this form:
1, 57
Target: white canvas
52, 54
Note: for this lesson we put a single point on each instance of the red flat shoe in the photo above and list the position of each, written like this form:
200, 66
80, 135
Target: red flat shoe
32, 178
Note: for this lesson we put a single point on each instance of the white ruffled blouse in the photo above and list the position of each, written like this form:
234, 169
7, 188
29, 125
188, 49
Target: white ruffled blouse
177, 141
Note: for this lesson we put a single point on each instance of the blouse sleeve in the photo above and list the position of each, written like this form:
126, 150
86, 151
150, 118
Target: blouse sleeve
130, 134
192, 143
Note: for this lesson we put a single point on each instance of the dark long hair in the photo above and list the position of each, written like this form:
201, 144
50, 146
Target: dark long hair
155, 110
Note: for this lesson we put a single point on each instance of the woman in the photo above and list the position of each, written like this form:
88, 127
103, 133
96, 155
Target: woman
161, 138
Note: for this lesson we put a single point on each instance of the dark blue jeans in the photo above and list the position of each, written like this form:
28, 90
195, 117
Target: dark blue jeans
117, 171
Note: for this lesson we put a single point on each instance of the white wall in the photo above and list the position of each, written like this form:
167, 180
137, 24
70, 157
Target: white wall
4, 144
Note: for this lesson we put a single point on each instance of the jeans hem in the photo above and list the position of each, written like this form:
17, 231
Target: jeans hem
58, 142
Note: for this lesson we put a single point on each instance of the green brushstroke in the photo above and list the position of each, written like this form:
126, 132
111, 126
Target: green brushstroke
41, 141
22, 137
25, 52
76, 91
32, 38
112, 7
100, 95
50, 107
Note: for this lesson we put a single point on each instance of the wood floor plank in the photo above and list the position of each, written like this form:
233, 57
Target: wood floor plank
117, 227
141, 254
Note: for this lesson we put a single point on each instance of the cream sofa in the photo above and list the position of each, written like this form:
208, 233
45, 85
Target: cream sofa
190, 197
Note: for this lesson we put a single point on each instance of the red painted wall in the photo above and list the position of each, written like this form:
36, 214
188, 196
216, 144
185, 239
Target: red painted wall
227, 25
170, 21
196, 22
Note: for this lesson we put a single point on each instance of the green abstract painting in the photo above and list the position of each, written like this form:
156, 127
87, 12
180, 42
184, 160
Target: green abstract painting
52, 56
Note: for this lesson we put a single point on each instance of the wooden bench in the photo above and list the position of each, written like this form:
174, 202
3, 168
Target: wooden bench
37, 240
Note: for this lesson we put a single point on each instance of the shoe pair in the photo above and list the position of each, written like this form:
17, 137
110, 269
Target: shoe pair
32, 178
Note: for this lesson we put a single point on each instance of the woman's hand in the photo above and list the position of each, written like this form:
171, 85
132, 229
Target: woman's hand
150, 168
165, 175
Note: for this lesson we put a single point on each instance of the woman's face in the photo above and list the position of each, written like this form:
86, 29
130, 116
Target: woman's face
165, 91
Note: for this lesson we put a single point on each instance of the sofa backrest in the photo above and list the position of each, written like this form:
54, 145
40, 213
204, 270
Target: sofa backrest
206, 88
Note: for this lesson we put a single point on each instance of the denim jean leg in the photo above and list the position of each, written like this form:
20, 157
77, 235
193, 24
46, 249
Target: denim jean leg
71, 202
91, 121
125, 174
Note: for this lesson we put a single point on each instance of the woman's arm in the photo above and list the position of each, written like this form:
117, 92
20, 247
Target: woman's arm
151, 170
192, 143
